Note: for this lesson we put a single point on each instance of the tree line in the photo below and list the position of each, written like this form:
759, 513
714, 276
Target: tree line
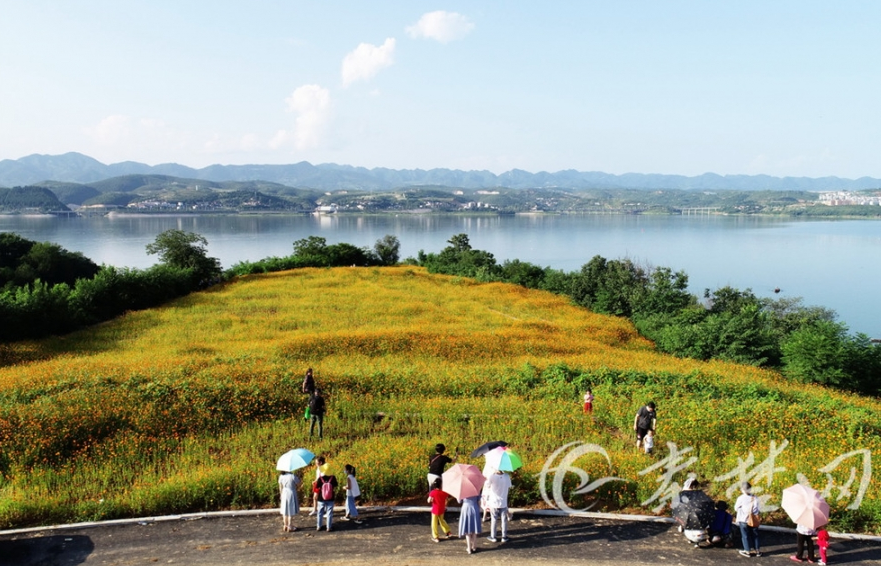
46, 290
805, 343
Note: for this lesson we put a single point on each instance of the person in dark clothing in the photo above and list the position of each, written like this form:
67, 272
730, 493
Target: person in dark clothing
309, 382
437, 463
316, 411
644, 421
720, 530
325, 498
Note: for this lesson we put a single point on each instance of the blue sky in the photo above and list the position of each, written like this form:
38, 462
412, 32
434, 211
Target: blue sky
680, 87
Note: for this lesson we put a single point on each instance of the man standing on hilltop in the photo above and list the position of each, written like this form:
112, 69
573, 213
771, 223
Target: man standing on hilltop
644, 421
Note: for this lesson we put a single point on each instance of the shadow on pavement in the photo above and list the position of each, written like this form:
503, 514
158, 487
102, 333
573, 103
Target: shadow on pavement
53, 549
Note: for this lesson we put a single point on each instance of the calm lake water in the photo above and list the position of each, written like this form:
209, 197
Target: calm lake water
836, 264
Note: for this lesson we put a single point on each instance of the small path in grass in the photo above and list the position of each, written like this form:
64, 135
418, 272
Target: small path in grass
390, 537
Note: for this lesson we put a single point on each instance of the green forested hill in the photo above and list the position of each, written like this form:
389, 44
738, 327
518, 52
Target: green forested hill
29, 198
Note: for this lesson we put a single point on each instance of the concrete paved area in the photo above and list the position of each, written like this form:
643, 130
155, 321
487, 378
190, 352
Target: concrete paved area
390, 537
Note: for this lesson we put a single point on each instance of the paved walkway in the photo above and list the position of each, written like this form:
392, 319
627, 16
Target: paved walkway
389, 537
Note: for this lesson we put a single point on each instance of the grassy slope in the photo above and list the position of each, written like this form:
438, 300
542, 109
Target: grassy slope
186, 407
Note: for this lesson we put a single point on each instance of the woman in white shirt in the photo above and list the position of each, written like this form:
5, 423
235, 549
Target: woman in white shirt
747, 503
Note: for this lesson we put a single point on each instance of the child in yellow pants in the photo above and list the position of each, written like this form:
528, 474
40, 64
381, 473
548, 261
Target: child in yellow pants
438, 499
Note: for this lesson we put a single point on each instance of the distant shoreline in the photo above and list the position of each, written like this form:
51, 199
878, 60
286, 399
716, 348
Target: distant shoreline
425, 212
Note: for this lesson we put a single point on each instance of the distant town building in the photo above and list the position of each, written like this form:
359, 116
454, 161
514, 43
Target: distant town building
841, 198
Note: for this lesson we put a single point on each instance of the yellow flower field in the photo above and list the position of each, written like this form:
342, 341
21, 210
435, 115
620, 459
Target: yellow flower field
186, 407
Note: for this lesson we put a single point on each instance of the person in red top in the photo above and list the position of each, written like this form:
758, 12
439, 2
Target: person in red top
438, 500
823, 543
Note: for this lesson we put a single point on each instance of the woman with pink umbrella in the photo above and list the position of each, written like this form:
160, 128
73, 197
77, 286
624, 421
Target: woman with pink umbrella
464, 482
806, 507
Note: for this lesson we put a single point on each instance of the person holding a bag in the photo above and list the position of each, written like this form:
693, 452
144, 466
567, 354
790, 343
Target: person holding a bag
317, 409
747, 518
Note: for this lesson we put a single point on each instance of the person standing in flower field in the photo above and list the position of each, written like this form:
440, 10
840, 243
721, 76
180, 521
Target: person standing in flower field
648, 442
645, 420
588, 402
309, 382
308, 388
317, 409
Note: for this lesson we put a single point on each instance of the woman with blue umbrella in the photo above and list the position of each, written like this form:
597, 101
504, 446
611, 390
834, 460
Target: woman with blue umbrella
288, 482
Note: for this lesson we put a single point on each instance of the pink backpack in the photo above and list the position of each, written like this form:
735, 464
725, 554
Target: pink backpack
326, 490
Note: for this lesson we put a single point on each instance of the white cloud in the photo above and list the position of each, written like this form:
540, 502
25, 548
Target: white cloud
311, 103
367, 60
441, 26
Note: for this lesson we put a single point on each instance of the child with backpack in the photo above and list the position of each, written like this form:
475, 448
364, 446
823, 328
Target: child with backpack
352, 491
326, 485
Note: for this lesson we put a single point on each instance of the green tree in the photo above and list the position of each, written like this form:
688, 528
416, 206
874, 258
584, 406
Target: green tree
816, 353
729, 299
186, 250
23, 261
388, 250
460, 259
312, 248
522, 273
610, 286
666, 292
314, 252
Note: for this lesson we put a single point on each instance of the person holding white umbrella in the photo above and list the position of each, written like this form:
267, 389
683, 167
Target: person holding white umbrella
807, 508
498, 484
804, 536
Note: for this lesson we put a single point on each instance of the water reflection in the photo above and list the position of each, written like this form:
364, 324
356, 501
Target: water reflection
829, 263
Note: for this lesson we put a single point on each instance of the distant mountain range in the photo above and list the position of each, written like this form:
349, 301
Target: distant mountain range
79, 168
